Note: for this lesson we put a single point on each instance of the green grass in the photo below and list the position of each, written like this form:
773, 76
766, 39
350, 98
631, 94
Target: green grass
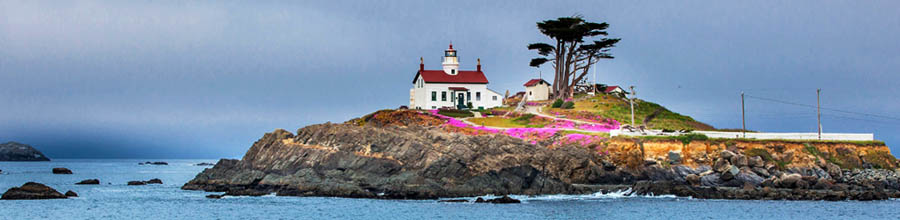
496, 122
609, 106
455, 113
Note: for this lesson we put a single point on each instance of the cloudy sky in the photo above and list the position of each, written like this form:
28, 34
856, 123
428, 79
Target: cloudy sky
173, 79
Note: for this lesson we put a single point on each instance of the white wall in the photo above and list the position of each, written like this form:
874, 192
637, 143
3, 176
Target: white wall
538, 92
423, 96
756, 135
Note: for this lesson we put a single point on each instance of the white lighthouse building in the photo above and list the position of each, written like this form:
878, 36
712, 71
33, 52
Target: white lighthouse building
451, 87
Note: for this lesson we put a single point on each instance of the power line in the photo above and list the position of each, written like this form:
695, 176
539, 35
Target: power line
830, 109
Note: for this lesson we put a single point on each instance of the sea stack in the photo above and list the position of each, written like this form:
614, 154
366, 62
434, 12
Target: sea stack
12, 151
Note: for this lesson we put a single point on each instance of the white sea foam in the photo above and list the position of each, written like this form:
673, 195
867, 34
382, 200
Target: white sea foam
621, 194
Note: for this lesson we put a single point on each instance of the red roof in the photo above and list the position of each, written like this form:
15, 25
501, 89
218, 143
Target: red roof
535, 82
610, 89
462, 76
459, 89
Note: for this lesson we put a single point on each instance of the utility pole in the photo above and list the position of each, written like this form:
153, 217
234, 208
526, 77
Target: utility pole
632, 106
819, 111
743, 118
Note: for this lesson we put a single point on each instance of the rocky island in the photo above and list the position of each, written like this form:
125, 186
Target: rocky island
407, 154
12, 151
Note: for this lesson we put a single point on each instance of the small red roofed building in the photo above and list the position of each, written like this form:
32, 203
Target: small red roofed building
537, 90
615, 90
451, 87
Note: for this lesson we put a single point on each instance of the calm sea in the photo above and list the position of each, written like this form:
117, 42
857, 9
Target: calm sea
115, 200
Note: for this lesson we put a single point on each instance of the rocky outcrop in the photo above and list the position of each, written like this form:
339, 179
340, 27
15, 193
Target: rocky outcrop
71, 194
151, 181
89, 182
153, 163
12, 151
32, 190
400, 163
61, 170
373, 157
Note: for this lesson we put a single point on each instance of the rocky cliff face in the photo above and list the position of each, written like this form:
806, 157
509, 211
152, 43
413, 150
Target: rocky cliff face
12, 151
399, 162
407, 155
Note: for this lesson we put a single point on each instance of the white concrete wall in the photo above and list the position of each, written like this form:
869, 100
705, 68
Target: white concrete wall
423, 96
538, 92
790, 136
755, 135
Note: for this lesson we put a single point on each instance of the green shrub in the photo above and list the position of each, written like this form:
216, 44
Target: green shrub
469, 105
455, 113
556, 104
568, 105
687, 138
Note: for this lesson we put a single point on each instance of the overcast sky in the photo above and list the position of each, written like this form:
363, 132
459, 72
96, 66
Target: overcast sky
160, 79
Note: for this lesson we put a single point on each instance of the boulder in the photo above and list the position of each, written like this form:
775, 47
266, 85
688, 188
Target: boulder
89, 182
503, 200
726, 154
154, 181
32, 190
834, 170
693, 179
721, 165
454, 200
154, 163
136, 183
740, 161
761, 172
790, 180
61, 170
711, 180
746, 176
71, 194
674, 157
215, 196
730, 173
756, 161
204, 164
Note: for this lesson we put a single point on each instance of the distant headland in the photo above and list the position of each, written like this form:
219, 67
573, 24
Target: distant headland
13, 151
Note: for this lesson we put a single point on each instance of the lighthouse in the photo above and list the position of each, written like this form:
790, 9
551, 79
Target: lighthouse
451, 63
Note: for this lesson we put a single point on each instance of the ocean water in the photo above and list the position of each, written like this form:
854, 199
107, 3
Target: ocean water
113, 199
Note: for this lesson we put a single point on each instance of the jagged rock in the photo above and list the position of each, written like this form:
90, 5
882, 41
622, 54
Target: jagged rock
693, 179
154, 163
790, 180
747, 176
136, 183
12, 151
756, 162
89, 182
834, 170
674, 157
32, 190
761, 172
71, 194
726, 154
204, 164
721, 165
215, 196
61, 170
502, 200
154, 181
402, 162
711, 180
730, 173
740, 161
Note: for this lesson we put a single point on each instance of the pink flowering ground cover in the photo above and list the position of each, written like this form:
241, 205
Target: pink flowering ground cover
534, 135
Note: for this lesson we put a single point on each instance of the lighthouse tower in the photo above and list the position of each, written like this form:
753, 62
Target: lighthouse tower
451, 63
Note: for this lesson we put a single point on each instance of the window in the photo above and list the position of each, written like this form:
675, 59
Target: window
444, 96
469, 96
433, 107
477, 96
421, 83
495, 98
433, 96
453, 72
529, 92
452, 97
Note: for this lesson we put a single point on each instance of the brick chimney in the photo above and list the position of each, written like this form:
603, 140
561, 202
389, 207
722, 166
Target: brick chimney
478, 68
421, 64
